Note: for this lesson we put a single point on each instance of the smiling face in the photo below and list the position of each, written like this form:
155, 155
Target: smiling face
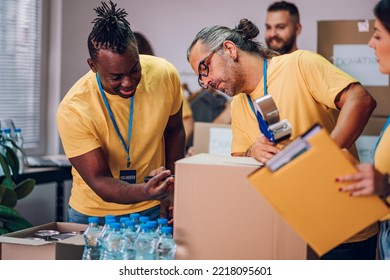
119, 74
380, 41
281, 31
224, 73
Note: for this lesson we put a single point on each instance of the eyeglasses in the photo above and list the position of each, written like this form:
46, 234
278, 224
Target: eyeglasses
203, 69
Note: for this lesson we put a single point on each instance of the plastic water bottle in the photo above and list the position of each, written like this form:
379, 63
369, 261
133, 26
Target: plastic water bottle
91, 240
2, 149
161, 222
123, 220
20, 142
112, 243
129, 235
135, 217
8, 136
153, 229
142, 221
152, 225
166, 246
144, 245
104, 234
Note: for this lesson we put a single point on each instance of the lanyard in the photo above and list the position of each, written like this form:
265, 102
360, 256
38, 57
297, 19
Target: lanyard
262, 123
130, 128
383, 131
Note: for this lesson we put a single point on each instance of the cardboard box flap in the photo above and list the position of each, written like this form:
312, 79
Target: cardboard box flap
28, 237
24, 241
204, 158
75, 240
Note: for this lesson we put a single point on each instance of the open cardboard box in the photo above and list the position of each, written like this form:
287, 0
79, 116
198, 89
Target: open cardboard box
220, 216
212, 138
20, 245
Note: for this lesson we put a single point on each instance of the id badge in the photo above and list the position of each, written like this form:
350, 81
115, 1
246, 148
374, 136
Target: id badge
129, 176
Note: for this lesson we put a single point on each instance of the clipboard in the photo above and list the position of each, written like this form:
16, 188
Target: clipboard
299, 182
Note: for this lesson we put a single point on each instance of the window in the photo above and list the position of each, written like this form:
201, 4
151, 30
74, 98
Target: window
21, 91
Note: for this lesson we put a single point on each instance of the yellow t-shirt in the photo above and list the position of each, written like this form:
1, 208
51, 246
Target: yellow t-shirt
381, 157
304, 86
84, 125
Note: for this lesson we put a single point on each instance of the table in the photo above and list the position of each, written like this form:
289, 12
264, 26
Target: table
50, 175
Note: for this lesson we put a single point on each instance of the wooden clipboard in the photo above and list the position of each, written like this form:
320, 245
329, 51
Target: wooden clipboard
304, 192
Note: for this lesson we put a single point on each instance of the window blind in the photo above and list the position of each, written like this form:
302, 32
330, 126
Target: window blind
20, 67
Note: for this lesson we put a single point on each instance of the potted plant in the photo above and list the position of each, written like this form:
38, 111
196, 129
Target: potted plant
10, 191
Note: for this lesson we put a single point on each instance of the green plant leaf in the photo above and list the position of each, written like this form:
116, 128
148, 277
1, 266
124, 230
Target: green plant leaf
16, 224
4, 164
9, 197
24, 188
8, 183
8, 213
12, 160
2, 192
3, 231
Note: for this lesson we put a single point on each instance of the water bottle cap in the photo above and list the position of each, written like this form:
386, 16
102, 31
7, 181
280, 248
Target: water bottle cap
144, 219
145, 227
18, 129
115, 225
152, 224
93, 219
162, 221
129, 223
110, 221
123, 219
134, 215
109, 217
7, 130
166, 230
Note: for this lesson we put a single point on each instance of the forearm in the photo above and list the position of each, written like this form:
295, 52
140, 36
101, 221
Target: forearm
117, 191
353, 118
109, 189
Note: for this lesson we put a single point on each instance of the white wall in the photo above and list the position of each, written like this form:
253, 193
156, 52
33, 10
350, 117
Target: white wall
171, 25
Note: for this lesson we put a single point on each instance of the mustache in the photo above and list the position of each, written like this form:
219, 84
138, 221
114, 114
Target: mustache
276, 38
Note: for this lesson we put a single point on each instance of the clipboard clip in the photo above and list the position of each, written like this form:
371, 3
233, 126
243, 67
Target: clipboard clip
297, 147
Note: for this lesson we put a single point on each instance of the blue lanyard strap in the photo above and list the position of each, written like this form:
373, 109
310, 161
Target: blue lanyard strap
264, 128
383, 131
130, 127
265, 76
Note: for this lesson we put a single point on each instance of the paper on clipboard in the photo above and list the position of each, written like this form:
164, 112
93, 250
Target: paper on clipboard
302, 188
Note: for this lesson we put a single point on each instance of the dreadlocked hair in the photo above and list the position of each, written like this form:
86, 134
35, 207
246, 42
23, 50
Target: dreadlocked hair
111, 30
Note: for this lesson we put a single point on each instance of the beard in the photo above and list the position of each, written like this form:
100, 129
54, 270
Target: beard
284, 48
233, 78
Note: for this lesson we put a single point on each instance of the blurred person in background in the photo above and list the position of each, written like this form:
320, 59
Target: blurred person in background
282, 27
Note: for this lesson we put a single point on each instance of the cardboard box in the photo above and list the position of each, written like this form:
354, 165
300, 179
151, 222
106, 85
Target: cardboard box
219, 215
212, 138
20, 245
359, 61
374, 126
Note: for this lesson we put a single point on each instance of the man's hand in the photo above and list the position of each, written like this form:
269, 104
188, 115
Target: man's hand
161, 185
262, 149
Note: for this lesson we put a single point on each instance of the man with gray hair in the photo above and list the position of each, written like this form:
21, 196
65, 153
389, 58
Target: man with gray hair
306, 89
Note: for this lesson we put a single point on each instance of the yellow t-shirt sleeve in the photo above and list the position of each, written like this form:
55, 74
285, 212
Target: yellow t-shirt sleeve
76, 138
322, 78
